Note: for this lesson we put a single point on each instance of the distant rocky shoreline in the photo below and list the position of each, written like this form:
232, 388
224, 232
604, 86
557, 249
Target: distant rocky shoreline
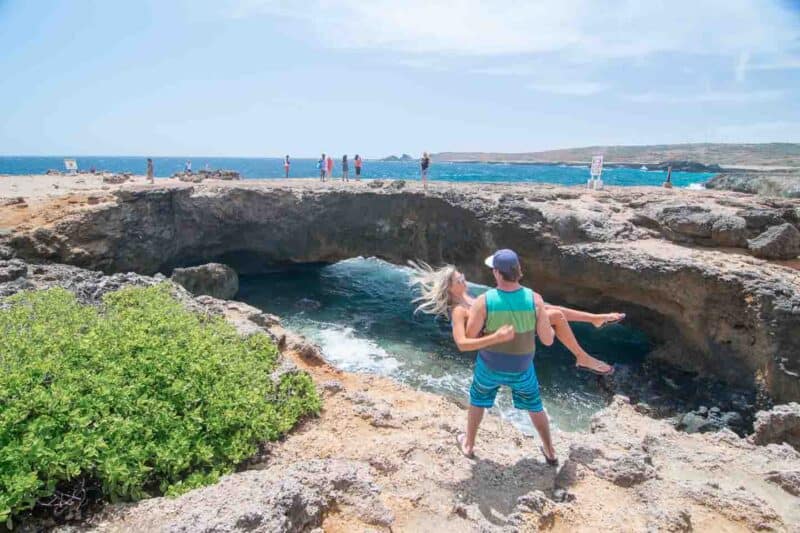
783, 184
676, 166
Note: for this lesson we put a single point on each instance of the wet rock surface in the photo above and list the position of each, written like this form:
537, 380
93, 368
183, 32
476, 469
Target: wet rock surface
692, 403
676, 261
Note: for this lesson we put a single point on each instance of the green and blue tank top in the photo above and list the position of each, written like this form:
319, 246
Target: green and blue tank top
518, 309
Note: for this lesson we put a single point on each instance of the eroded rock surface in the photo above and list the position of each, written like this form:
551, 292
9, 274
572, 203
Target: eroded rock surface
285, 499
777, 242
382, 457
778, 425
675, 261
211, 279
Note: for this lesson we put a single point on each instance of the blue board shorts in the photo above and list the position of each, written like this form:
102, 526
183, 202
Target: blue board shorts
524, 387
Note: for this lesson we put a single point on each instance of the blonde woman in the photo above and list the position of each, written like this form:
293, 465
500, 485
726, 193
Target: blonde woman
444, 292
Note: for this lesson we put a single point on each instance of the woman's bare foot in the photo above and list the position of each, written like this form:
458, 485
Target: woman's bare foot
607, 319
595, 366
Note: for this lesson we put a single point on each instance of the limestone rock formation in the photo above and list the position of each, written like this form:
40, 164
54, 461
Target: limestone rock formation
778, 425
116, 179
292, 499
212, 279
381, 456
12, 269
778, 242
201, 175
648, 252
774, 183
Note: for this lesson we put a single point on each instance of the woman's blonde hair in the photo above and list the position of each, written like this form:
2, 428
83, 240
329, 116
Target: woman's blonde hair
434, 287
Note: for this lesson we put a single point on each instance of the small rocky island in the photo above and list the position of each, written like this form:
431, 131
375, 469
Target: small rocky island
395, 159
711, 276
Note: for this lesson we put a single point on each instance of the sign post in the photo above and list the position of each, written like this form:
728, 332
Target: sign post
594, 174
71, 165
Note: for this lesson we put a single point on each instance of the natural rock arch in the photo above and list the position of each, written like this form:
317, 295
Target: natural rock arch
707, 314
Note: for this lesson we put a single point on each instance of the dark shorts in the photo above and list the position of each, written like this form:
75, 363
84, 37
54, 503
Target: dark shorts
358, 171
524, 387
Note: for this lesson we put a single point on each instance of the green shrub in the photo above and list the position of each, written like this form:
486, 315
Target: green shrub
138, 395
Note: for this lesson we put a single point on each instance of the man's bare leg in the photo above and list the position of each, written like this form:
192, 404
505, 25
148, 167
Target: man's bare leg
542, 425
474, 417
564, 333
573, 315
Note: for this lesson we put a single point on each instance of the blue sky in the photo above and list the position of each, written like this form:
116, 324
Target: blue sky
264, 78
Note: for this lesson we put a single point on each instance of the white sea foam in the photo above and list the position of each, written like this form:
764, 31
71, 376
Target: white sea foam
696, 186
349, 352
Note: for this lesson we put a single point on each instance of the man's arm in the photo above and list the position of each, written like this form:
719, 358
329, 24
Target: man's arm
543, 327
477, 317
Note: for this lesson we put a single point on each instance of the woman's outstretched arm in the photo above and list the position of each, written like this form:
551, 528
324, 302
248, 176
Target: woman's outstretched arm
465, 344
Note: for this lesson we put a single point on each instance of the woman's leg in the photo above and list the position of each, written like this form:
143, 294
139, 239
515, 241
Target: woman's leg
573, 315
567, 337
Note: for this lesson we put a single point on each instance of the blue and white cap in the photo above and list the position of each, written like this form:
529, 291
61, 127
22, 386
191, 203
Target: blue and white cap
504, 260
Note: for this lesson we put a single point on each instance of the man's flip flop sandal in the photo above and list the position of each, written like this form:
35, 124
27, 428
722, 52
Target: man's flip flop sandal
551, 462
459, 440
596, 372
612, 322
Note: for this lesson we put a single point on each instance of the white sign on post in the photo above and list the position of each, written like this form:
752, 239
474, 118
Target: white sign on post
597, 165
71, 165
594, 174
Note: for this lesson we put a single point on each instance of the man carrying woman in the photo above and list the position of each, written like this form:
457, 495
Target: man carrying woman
502, 325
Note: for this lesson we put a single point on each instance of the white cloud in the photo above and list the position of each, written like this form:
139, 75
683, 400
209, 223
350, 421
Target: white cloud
580, 29
728, 97
578, 88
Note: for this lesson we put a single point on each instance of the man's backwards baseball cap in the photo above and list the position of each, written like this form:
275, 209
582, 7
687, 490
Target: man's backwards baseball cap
503, 260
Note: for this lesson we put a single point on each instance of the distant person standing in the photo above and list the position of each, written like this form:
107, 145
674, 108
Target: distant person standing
329, 167
188, 167
345, 167
321, 165
149, 170
668, 184
286, 164
358, 167
424, 163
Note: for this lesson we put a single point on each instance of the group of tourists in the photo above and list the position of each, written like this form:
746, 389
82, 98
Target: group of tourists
325, 167
502, 325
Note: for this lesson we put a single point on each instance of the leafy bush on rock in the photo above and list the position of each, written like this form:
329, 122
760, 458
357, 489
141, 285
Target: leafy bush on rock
140, 395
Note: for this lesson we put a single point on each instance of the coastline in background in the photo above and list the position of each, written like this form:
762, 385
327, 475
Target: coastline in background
272, 167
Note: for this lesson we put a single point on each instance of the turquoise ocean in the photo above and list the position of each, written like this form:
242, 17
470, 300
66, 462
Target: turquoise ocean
303, 168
